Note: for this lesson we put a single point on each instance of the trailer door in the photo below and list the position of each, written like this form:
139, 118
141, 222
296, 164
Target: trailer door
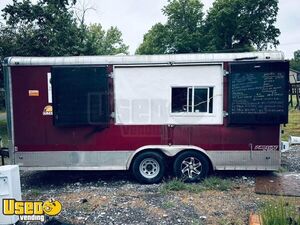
80, 95
258, 93
258, 104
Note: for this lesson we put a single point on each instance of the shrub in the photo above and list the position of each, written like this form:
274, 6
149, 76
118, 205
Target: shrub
280, 212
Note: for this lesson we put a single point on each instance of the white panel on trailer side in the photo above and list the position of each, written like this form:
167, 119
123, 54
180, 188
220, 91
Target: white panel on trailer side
143, 94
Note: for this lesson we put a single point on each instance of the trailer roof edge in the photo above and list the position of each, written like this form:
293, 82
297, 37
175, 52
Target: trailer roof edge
143, 59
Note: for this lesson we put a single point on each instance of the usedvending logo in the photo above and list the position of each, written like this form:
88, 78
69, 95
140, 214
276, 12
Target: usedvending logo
31, 210
48, 110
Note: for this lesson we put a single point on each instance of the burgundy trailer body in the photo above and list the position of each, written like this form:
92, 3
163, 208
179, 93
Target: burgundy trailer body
108, 112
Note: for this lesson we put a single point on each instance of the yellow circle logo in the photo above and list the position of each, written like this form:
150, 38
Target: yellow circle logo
52, 208
48, 110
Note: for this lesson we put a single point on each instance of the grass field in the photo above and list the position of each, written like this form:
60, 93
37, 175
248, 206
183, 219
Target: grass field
293, 127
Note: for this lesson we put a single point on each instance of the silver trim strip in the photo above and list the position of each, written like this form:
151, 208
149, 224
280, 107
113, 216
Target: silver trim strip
168, 64
97, 168
241, 160
85, 160
120, 160
9, 115
145, 59
12, 147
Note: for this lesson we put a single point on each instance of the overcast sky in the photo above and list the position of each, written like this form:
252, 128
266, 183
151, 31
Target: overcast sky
135, 17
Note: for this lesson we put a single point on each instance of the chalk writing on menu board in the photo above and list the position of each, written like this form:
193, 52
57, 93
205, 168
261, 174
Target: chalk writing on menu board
257, 93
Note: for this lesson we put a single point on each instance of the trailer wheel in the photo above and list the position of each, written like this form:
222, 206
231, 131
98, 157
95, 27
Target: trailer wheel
148, 167
191, 166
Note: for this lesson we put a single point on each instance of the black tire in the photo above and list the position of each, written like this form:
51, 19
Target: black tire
148, 167
186, 170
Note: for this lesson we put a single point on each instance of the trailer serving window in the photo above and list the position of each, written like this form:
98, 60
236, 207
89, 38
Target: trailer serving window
192, 99
80, 95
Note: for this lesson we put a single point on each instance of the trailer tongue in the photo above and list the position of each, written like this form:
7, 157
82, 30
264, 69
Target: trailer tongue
196, 112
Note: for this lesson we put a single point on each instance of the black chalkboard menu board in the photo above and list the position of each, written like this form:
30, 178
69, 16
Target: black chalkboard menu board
258, 93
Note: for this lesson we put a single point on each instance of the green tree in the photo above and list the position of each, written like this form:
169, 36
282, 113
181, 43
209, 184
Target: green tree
241, 25
156, 41
185, 21
49, 28
295, 62
42, 29
100, 42
60, 3
7, 41
181, 34
230, 25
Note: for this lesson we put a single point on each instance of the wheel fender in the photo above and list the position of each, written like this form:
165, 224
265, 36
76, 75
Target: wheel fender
169, 151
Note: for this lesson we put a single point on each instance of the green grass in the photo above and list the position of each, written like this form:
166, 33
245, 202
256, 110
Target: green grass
279, 212
168, 205
196, 222
282, 170
293, 127
216, 183
211, 183
174, 185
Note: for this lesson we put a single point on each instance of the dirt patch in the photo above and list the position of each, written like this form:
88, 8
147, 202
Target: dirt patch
284, 184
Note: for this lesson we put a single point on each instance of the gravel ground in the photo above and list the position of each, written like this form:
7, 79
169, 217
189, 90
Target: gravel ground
115, 198
291, 159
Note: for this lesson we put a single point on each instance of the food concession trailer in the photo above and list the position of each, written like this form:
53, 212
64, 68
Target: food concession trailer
191, 112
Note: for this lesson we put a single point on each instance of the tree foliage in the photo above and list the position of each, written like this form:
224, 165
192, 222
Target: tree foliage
230, 25
156, 41
242, 25
60, 3
41, 29
185, 20
49, 28
295, 62
181, 33
101, 42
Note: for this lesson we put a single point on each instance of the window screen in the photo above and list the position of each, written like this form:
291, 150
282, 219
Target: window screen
80, 96
192, 99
